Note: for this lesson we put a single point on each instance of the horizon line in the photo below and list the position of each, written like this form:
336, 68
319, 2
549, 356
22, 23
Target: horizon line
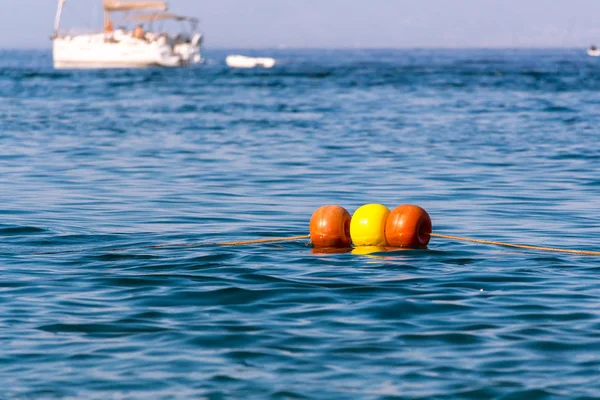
303, 48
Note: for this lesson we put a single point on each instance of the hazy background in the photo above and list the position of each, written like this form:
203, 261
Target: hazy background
341, 23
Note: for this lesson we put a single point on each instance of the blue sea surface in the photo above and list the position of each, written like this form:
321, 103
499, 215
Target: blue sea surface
97, 166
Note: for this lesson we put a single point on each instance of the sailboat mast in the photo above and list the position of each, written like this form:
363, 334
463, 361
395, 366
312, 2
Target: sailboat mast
61, 3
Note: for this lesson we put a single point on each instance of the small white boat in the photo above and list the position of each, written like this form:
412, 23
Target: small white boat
123, 48
238, 61
593, 51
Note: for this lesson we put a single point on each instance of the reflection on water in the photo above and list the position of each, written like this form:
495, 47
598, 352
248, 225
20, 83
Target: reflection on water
330, 250
368, 250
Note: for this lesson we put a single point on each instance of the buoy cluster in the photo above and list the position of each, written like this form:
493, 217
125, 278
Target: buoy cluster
406, 226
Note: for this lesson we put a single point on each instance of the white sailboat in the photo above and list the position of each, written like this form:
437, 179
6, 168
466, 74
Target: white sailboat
123, 48
593, 51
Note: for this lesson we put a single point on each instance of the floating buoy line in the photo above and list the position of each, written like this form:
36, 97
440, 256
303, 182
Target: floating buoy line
333, 229
373, 225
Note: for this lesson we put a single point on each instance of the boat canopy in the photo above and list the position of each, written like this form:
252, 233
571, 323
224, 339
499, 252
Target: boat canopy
117, 5
160, 17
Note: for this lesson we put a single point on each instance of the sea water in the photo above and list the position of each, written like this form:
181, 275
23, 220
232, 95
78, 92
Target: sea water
97, 166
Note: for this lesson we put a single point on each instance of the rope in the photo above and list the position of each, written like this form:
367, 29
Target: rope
438, 235
294, 238
274, 240
161, 246
518, 246
239, 243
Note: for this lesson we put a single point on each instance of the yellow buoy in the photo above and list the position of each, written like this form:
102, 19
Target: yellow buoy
367, 227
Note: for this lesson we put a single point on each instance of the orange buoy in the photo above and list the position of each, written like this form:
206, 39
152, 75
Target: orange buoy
330, 227
408, 226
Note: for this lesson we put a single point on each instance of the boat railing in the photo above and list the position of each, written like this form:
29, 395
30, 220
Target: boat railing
63, 33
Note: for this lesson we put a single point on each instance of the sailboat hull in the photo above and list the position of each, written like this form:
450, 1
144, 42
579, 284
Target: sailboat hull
93, 51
